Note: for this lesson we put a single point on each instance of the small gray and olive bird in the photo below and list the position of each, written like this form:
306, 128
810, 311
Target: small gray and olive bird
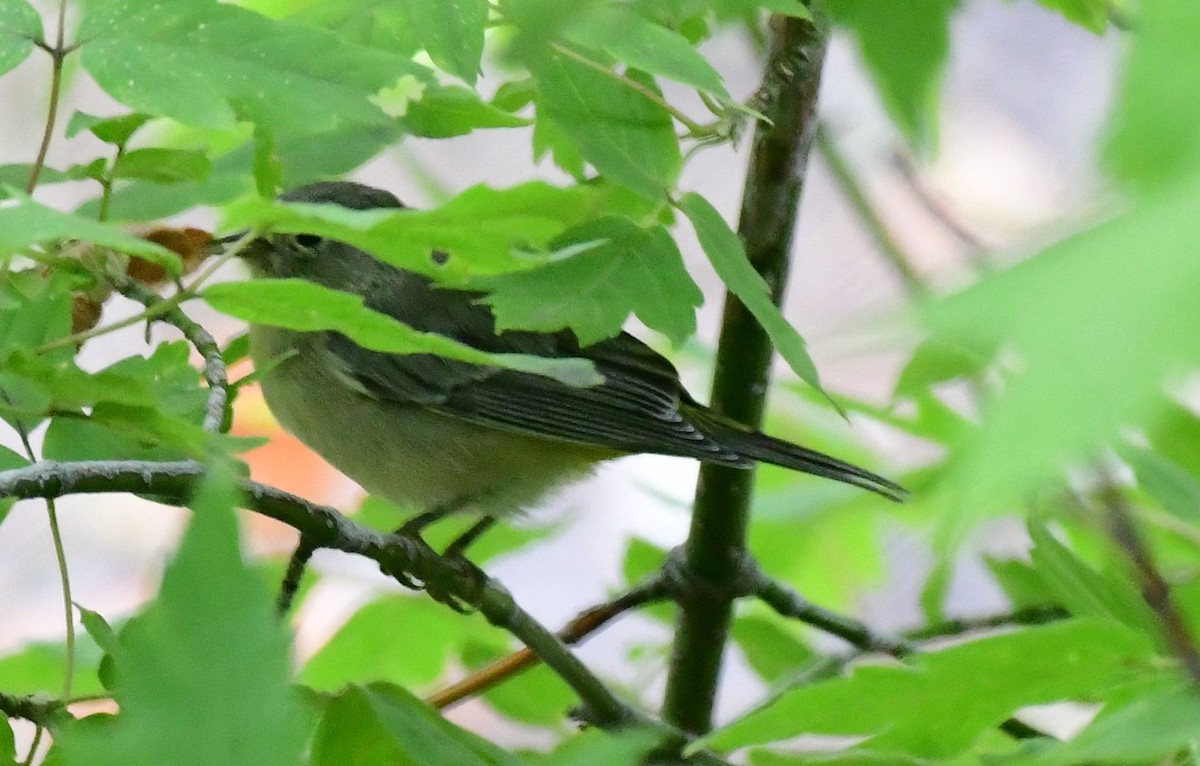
440, 435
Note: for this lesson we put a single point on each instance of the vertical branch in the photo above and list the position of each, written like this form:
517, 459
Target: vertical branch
716, 543
57, 54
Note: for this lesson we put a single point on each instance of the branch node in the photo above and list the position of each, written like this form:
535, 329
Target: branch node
684, 585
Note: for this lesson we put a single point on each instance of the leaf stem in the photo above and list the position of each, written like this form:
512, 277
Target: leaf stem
716, 546
57, 54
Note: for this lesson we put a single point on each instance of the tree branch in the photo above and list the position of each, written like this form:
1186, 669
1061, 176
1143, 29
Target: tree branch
216, 408
583, 625
1154, 587
787, 602
716, 541
323, 527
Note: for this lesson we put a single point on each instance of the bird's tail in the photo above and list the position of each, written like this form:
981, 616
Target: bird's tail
758, 446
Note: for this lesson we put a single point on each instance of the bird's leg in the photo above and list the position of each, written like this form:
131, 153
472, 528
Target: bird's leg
412, 528
458, 548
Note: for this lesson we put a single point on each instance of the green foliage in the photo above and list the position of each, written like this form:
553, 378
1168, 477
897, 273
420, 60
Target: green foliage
202, 674
20, 25
904, 46
1081, 353
938, 704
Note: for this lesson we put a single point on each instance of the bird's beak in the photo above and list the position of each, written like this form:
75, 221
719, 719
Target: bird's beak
253, 251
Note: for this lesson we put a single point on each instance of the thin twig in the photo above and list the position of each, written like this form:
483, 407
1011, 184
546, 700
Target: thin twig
857, 196
291, 577
787, 602
216, 407
936, 208
57, 54
1154, 587
582, 626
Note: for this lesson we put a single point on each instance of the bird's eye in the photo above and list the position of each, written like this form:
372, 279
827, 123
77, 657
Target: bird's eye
307, 241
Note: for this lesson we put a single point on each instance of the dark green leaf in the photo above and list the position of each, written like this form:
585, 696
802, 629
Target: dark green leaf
298, 304
1084, 591
370, 646
618, 128
204, 672
209, 64
724, 249
451, 31
111, 130
444, 111
622, 269
1147, 729
628, 36
8, 461
386, 726
20, 26
163, 165
24, 222
8, 744
904, 47
482, 230
1160, 98
939, 703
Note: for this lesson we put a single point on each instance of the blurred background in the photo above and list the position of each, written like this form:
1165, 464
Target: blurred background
1025, 97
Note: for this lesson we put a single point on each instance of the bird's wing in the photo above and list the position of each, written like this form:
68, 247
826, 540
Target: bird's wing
635, 409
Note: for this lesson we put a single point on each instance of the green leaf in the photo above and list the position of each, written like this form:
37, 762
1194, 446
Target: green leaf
933, 363
298, 304
382, 725
1089, 14
8, 744
20, 26
537, 697
938, 703
622, 269
111, 130
24, 223
204, 672
904, 46
481, 231
628, 36
1159, 98
17, 175
624, 134
451, 31
444, 111
1084, 591
1022, 584
366, 648
210, 64
9, 460
40, 668
724, 249
163, 165
1175, 489
1082, 315
770, 648
1151, 727
602, 748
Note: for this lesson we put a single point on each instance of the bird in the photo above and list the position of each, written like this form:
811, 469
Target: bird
443, 436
